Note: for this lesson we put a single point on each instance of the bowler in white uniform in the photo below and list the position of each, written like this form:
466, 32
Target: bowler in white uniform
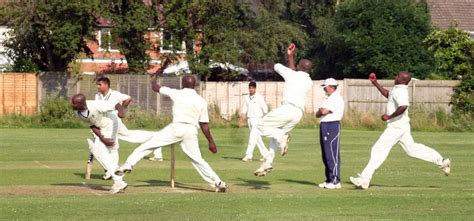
398, 131
104, 123
254, 108
189, 113
280, 121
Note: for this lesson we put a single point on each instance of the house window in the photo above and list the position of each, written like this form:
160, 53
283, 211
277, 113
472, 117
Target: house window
166, 44
106, 41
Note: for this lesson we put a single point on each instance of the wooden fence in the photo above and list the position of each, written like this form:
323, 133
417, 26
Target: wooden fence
22, 93
18, 93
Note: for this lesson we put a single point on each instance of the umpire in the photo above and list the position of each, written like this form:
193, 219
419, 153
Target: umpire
331, 112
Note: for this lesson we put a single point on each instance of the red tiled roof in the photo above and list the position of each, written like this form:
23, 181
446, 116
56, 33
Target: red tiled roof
444, 12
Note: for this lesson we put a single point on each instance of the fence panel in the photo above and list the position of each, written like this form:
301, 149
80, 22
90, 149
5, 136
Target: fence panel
18, 93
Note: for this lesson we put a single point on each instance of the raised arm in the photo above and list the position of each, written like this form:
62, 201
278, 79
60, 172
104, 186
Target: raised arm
382, 90
207, 133
291, 56
155, 86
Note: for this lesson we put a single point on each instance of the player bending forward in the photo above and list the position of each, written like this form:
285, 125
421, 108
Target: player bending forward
104, 123
189, 113
398, 131
280, 121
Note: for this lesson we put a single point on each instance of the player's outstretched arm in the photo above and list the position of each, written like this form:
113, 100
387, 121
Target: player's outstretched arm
207, 133
155, 86
291, 56
397, 113
379, 87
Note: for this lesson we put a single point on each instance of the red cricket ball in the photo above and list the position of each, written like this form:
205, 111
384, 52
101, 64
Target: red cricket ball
372, 76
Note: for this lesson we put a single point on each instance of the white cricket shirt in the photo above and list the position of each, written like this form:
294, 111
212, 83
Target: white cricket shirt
297, 85
254, 106
102, 115
335, 104
397, 97
188, 106
112, 96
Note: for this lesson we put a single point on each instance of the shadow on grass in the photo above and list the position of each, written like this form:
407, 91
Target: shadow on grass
88, 186
154, 183
93, 176
394, 186
304, 182
231, 158
254, 184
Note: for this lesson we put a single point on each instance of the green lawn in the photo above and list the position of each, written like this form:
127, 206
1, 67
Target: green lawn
41, 178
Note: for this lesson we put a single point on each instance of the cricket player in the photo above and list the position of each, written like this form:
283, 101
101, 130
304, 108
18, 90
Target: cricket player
254, 108
105, 93
398, 131
280, 121
104, 123
189, 113
331, 112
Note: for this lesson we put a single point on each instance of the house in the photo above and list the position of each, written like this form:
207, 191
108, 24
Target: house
445, 12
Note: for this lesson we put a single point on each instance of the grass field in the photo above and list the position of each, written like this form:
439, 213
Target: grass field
41, 178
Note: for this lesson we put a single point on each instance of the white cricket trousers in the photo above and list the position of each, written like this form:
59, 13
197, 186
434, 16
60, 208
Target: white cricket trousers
253, 122
136, 136
106, 156
186, 136
275, 125
391, 136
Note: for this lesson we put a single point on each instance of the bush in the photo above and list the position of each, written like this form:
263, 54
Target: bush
57, 113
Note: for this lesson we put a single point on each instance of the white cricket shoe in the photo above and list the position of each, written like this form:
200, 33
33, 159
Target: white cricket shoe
119, 186
125, 168
107, 176
446, 166
155, 159
322, 185
247, 159
361, 182
284, 144
221, 187
332, 186
263, 170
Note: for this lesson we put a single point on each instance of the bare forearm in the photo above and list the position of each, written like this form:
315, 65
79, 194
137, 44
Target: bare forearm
399, 111
291, 62
381, 89
120, 109
206, 131
155, 86
127, 102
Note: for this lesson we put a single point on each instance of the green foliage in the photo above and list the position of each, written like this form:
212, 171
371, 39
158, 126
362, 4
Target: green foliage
132, 19
453, 50
47, 35
383, 36
137, 118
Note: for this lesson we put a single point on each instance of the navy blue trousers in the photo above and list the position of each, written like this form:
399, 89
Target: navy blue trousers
329, 139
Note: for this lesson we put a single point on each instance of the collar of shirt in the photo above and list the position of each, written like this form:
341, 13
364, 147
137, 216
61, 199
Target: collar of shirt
107, 96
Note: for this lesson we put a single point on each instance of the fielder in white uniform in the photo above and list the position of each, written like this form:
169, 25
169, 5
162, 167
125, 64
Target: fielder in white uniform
105, 93
280, 121
398, 131
104, 123
254, 108
189, 113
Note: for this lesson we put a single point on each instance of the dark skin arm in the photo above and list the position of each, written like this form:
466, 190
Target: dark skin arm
127, 102
106, 141
397, 113
322, 111
291, 58
207, 132
155, 86
121, 110
382, 90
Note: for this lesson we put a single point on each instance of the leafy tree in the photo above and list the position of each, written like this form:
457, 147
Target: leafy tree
132, 20
453, 50
383, 36
47, 35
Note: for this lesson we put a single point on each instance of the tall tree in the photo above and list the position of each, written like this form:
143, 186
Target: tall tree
132, 20
384, 36
47, 36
